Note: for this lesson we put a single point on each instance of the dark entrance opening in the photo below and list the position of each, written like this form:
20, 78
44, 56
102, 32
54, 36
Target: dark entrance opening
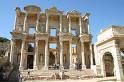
52, 59
108, 64
30, 59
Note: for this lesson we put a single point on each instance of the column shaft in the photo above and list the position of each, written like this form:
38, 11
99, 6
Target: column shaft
69, 24
91, 55
37, 22
25, 19
70, 49
83, 55
80, 24
46, 56
12, 51
36, 55
15, 22
61, 55
21, 67
47, 22
60, 23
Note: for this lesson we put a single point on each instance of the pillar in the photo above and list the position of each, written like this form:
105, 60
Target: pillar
15, 22
36, 55
47, 22
83, 55
37, 22
21, 67
91, 56
25, 19
61, 55
46, 56
80, 24
70, 51
88, 26
117, 63
60, 23
12, 51
69, 24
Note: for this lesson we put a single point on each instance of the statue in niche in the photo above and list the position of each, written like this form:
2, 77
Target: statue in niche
42, 29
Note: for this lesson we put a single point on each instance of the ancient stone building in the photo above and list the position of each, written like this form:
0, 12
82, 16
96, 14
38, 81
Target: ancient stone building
110, 52
41, 39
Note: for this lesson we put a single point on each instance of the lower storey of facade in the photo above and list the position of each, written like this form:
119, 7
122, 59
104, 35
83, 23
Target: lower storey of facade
40, 55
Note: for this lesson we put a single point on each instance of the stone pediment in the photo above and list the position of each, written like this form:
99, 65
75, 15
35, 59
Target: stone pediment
32, 8
53, 10
74, 12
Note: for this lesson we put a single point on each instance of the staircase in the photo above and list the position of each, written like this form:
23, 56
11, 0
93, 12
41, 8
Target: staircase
47, 74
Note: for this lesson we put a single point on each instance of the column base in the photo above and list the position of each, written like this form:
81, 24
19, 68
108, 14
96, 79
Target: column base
35, 68
61, 68
83, 67
72, 67
21, 68
45, 67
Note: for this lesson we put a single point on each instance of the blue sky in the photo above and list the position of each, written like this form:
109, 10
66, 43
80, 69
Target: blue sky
103, 12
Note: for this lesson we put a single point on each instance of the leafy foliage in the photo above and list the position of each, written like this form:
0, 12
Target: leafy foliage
2, 39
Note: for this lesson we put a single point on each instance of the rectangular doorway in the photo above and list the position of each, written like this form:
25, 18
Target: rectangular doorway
30, 59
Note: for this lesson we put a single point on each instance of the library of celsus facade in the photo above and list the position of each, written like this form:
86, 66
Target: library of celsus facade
41, 39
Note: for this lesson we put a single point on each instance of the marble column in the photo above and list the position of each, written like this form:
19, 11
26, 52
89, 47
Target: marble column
15, 22
61, 55
60, 23
37, 22
69, 24
70, 51
117, 63
36, 56
46, 55
12, 51
80, 24
87, 22
21, 67
83, 55
91, 56
25, 19
47, 22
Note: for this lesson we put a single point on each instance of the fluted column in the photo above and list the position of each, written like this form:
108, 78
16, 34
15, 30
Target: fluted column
47, 22
36, 55
60, 23
83, 55
25, 19
21, 67
80, 24
12, 51
70, 50
46, 56
69, 24
61, 55
37, 22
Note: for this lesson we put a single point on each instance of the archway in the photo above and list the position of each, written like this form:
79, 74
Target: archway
108, 64
51, 58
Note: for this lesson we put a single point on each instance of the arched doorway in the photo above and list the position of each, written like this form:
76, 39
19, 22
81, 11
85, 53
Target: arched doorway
108, 64
51, 58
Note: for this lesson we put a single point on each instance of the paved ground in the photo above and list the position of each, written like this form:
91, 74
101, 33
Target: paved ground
110, 79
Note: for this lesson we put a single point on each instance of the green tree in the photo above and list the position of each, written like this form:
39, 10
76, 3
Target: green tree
3, 39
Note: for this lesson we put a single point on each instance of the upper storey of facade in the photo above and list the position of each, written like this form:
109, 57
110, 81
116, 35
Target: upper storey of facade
52, 21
